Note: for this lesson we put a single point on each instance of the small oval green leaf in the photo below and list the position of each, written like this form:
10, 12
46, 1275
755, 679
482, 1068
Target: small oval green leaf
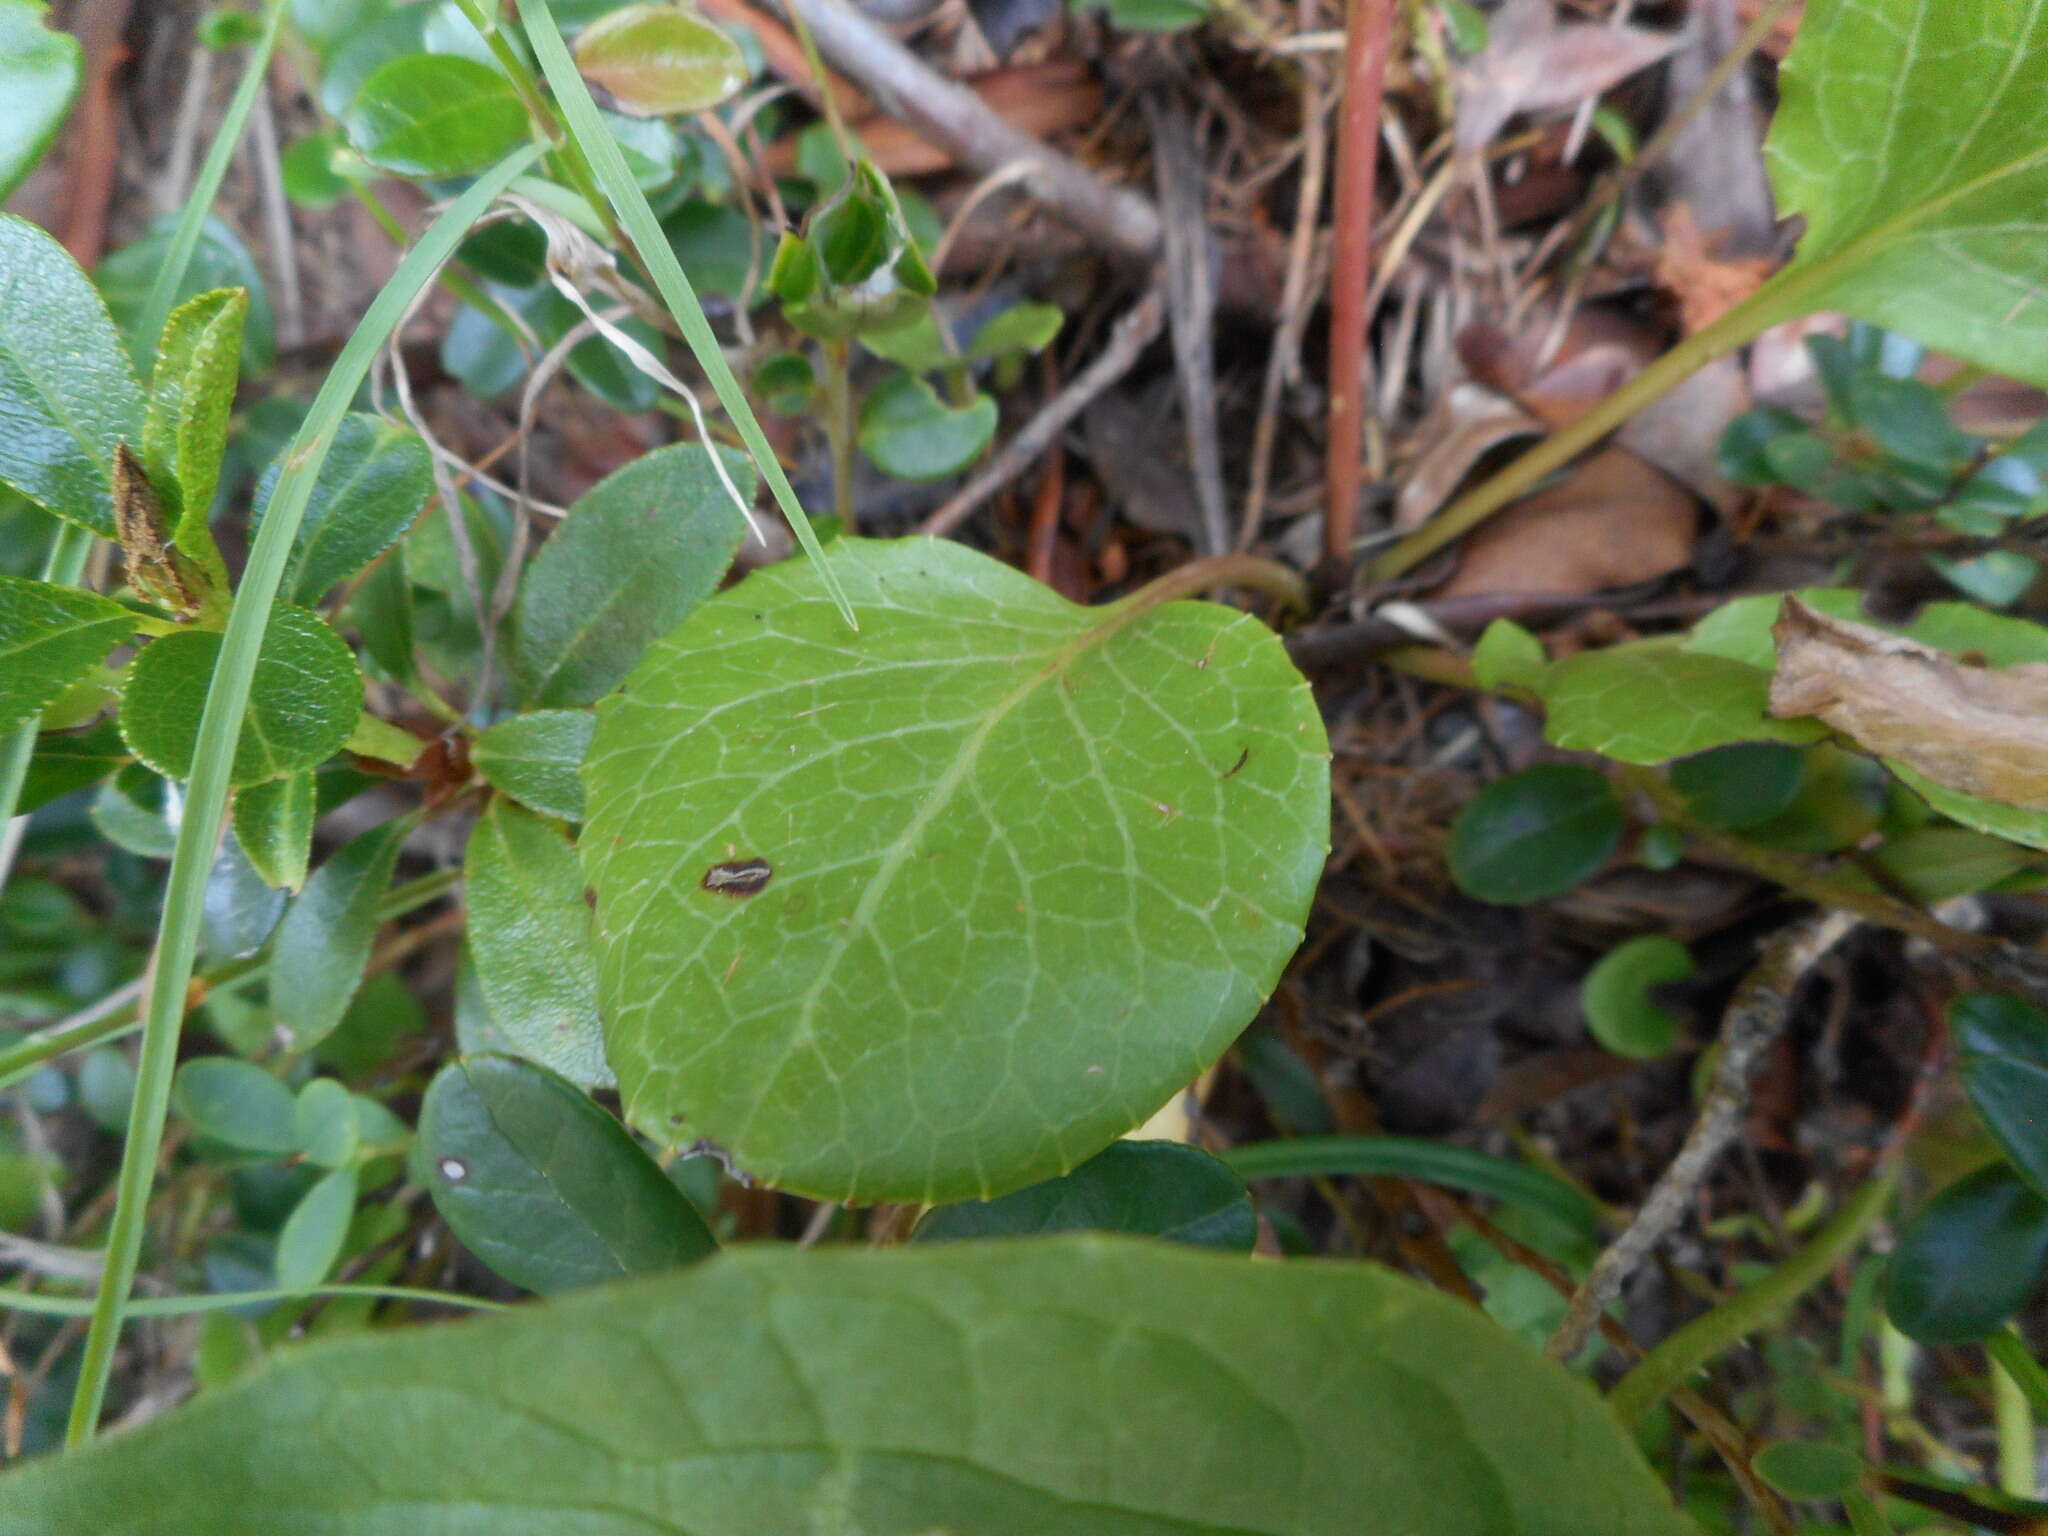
436, 115
660, 60
2003, 1045
536, 759
1146, 1188
312, 1237
1534, 834
1809, 1471
237, 1103
910, 433
1619, 1011
1969, 1259
40, 68
317, 961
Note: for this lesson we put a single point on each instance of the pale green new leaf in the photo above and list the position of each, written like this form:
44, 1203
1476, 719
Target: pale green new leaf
191, 394
942, 908
376, 479
1079, 1386
1651, 702
535, 759
1910, 138
274, 824
50, 637
529, 931
40, 69
67, 394
303, 701
317, 959
634, 556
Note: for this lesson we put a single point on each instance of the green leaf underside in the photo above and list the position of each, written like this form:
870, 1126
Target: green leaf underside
50, 637
40, 69
1030, 867
313, 1235
542, 1185
1089, 1386
529, 931
535, 759
1145, 1188
303, 702
324, 941
67, 394
1651, 703
1910, 138
2013, 822
634, 556
375, 480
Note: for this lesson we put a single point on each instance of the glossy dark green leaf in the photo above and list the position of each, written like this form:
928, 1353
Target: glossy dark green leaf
633, 557
370, 488
274, 825
50, 637
1742, 784
1619, 1009
435, 115
1146, 1188
67, 761
660, 60
67, 393
302, 705
1086, 1386
238, 1104
381, 1018
40, 68
241, 910
1969, 1259
312, 1237
1534, 834
381, 611
908, 432
912, 883
130, 812
537, 758
317, 961
529, 932
542, 1185
2003, 1046
191, 394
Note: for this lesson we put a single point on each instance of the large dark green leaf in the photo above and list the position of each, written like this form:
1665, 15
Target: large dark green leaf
435, 115
372, 485
529, 931
631, 560
1969, 1259
302, 705
1147, 1188
2003, 1045
39, 73
940, 908
1085, 1386
1910, 139
317, 961
67, 394
50, 637
544, 1186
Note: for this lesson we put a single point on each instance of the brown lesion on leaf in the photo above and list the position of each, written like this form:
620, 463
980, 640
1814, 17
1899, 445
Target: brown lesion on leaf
739, 877
156, 569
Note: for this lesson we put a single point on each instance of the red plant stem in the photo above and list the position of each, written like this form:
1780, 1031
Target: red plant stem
1358, 139
1043, 542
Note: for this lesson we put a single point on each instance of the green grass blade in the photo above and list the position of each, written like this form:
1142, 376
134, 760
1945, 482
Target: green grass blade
12, 1300
631, 206
220, 729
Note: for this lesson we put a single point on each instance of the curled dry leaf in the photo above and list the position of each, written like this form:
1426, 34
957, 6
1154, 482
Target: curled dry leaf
1979, 730
1693, 268
1531, 64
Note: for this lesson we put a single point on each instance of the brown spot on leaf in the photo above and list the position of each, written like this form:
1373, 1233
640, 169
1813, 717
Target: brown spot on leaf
739, 877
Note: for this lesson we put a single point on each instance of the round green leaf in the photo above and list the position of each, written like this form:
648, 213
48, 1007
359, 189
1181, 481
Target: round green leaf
534, 759
942, 907
1147, 1188
1617, 995
1534, 834
302, 704
910, 433
1968, 1260
1084, 1386
1742, 784
2003, 1043
40, 69
660, 60
1809, 1471
325, 1118
436, 115
312, 1236
50, 637
237, 1103
542, 1185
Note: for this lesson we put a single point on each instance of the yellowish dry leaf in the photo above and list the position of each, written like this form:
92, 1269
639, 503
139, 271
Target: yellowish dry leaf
1980, 730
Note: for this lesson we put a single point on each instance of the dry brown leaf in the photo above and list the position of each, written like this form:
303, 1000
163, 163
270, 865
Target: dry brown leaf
1612, 522
1690, 268
1467, 423
1980, 730
1531, 64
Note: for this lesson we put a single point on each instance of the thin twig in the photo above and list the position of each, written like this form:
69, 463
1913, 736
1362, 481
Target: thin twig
1755, 1018
1127, 341
1358, 141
